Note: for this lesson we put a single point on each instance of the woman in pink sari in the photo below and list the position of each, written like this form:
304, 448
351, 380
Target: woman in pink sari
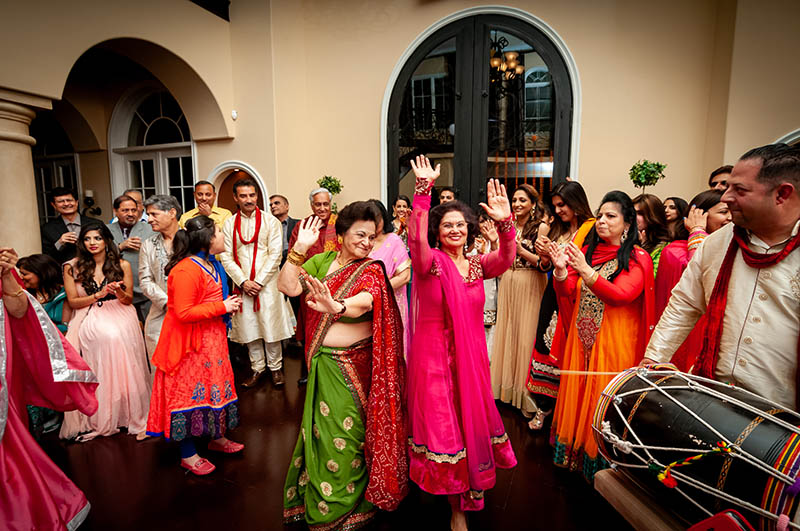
37, 366
390, 249
457, 438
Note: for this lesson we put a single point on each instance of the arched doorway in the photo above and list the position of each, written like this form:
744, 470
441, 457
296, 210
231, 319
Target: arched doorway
225, 191
487, 95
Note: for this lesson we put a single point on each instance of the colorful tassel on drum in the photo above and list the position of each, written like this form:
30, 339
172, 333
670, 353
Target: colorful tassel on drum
665, 476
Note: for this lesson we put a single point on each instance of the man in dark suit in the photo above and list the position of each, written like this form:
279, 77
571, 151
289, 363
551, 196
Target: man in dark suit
60, 235
129, 232
279, 206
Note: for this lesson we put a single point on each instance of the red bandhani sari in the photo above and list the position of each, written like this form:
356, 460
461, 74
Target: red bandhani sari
350, 456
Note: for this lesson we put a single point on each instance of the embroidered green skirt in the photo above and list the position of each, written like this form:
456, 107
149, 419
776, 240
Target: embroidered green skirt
327, 476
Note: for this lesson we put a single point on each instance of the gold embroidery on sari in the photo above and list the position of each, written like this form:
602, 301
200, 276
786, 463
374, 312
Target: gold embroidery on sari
590, 311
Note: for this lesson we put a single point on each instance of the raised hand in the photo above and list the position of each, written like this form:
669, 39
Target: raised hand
696, 219
424, 173
497, 206
307, 234
488, 230
576, 258
558, 256
8, 259
542, 246
319, 297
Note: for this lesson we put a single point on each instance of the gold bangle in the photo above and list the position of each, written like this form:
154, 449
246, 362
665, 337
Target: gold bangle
16, 294
296, 258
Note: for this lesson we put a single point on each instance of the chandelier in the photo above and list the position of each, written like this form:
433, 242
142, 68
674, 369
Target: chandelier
504, 65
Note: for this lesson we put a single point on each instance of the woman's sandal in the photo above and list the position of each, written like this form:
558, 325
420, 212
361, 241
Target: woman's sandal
538, 419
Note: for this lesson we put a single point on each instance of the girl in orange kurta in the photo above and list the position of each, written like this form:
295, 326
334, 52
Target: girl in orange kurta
610, 284
193, 389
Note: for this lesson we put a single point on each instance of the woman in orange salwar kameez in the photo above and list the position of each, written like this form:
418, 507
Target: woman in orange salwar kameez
610, 284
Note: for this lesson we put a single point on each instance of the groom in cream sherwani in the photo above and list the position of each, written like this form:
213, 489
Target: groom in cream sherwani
253, 250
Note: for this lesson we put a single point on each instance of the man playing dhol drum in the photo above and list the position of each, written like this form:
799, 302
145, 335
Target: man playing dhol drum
746, 278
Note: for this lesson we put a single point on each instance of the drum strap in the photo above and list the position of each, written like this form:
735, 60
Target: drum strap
709, 355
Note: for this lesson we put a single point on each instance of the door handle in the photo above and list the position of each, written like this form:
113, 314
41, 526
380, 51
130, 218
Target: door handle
458, 95
485, 93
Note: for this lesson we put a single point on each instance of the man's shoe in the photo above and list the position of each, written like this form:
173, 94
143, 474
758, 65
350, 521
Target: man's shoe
277, 378
253, 380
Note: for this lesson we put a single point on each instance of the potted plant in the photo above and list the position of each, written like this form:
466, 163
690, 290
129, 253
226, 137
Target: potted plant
646, 173
333, 185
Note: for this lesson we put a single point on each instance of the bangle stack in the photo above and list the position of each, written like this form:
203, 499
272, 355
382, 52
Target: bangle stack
296, 258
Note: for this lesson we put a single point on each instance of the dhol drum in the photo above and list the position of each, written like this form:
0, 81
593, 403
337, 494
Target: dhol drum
702, 446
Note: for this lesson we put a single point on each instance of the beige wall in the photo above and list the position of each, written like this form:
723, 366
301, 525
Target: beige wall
765, 75
669, 81
645, 69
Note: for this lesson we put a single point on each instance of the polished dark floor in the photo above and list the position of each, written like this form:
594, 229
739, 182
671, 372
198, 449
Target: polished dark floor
139, 485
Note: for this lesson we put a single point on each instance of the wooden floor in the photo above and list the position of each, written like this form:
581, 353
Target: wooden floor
139, 485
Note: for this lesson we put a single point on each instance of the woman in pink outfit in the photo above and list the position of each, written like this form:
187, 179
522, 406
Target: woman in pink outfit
105, 330
457, 438
37, 366
390, 249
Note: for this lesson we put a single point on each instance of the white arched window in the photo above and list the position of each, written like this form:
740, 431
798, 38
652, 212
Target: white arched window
151, 146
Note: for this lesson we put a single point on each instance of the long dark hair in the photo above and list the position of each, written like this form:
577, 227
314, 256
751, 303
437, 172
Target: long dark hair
653, 212
574, 196
85, 266
195, 237
707, 200
532, 225
47, 271
438, 212
677, 227
629, 216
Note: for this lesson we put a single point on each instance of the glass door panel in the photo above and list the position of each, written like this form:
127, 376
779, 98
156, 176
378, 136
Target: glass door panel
521, 113
427, 116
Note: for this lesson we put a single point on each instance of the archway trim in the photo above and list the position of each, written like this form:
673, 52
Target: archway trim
541, 25
215, 175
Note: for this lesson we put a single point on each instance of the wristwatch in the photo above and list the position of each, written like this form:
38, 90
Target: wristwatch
344, 307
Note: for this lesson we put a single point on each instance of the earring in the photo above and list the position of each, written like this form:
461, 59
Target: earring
624, 236
340, 240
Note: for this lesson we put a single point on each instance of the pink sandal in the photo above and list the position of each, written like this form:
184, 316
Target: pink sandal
229, 447
202, 467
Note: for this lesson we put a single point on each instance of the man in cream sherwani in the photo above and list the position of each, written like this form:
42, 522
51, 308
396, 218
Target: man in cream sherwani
253, 249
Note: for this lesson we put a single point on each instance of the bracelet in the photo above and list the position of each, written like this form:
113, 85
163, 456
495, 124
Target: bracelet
560, 278
344, 307
296, 258
594, 277
15, 294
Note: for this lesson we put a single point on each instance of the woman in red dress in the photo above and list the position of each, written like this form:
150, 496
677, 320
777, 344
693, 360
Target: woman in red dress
193, 388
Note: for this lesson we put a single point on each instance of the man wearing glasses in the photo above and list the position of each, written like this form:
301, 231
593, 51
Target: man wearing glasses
60, 235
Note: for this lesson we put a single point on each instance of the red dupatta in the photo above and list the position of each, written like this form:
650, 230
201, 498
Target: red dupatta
385, 450
604, 253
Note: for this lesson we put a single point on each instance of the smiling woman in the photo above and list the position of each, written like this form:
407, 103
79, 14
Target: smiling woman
609, 287
350, 457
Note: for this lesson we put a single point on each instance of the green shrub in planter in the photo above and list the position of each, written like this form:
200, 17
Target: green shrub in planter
333, 185
646, 173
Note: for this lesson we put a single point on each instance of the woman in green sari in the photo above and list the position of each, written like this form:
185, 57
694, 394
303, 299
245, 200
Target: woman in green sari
350, 457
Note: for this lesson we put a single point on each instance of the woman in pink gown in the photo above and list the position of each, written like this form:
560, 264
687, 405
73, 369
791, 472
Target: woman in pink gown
105, 330
391, 250
457, 438
37, 366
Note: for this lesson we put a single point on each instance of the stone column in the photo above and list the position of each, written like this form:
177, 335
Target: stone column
19, 212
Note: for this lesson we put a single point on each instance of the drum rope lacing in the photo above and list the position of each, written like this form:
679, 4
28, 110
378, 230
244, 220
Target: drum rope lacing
732, 449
